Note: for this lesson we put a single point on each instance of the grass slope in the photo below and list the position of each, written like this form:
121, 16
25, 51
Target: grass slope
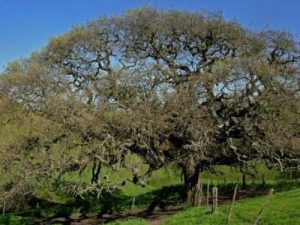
283, 209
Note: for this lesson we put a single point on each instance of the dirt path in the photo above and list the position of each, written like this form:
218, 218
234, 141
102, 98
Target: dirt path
160, 215
153, 218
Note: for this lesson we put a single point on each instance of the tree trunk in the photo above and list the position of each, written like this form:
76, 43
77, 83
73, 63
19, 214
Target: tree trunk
244, 185
95, 171
191, 183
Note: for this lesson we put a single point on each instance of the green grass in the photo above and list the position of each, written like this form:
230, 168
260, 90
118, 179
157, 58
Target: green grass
282, 209
14, 220
169, 176
58, 203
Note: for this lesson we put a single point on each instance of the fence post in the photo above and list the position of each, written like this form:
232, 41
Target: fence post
232, 203
263, 207
214, 200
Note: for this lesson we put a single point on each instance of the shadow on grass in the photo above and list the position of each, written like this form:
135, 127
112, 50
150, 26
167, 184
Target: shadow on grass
118, 203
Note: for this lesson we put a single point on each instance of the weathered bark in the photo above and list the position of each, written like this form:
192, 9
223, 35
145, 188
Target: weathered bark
191, 183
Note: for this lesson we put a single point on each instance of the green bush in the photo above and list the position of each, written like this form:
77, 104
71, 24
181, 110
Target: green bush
14, 220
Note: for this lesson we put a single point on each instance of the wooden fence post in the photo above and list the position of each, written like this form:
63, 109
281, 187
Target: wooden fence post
232, 203
263, 207
214, 200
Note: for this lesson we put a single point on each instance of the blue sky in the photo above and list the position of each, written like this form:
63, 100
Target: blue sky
27, 25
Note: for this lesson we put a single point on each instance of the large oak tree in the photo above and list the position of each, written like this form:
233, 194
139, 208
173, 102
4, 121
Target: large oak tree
172, 87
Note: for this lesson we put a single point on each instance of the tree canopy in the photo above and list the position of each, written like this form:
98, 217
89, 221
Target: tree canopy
191, 89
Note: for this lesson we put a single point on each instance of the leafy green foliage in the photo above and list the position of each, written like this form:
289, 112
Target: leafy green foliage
15, 220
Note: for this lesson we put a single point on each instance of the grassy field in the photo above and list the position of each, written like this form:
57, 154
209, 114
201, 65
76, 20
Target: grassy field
282, 209
166, 182
59, 205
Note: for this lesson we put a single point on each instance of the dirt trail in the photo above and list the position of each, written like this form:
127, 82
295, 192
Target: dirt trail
160, 215
153, 218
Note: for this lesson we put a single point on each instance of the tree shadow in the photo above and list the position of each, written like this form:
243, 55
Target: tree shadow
116, 205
